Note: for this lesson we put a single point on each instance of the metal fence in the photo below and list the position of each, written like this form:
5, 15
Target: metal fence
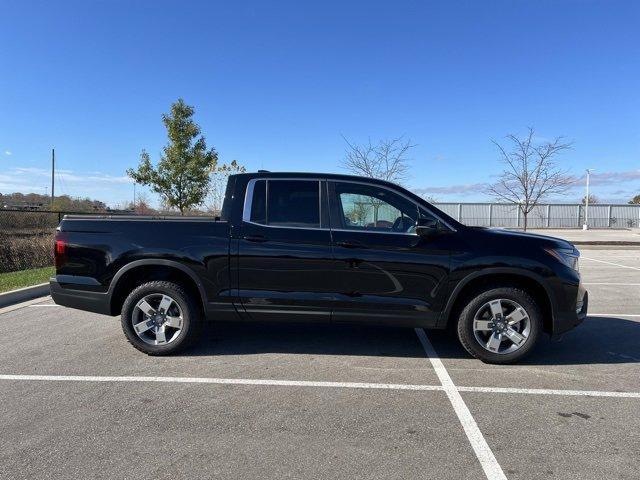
543, 216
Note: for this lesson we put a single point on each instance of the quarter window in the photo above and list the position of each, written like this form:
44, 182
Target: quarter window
259, 202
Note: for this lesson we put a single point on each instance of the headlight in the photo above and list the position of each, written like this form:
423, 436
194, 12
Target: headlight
568, 256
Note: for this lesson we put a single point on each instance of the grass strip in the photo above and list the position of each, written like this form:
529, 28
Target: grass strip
25, 278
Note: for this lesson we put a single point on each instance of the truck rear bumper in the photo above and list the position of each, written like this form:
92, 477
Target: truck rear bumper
97, 302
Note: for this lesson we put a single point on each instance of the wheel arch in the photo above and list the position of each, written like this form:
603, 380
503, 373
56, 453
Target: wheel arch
142, 271
509, 277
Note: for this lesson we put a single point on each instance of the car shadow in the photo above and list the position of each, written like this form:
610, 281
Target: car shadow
603, 340
315, 339
598, 340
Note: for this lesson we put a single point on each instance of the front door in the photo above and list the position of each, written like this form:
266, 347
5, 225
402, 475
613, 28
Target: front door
387, 273
285, 255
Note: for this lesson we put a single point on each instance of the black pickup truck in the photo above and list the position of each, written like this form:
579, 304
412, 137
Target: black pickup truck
319, 248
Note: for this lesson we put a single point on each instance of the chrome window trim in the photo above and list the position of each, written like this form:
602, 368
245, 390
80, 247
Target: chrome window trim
248, 200
373, 231
397, 193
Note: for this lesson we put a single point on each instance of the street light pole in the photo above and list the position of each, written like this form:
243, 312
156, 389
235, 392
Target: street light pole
586, 202
53, 176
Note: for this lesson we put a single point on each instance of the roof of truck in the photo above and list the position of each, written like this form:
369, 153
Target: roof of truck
333, 176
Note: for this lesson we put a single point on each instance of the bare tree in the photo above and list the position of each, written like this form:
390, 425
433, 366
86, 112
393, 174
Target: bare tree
532, 173
386, 160
592, 200
219, 177
358, 213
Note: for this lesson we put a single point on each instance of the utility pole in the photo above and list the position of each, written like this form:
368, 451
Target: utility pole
53, 173
586, 202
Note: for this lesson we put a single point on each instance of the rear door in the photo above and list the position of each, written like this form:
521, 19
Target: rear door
387, 273
285, 259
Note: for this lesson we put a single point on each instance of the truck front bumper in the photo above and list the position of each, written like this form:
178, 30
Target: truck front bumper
565, 321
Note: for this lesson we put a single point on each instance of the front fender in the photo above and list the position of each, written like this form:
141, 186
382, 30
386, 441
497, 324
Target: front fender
488, 272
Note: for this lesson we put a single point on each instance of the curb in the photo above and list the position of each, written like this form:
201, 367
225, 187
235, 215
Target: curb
607, 245
23, 294
603, 242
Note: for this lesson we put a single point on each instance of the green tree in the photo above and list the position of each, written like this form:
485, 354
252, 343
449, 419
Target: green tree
182, 174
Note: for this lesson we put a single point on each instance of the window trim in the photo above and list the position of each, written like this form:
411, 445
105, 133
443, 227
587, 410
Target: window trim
384, 187
248, 201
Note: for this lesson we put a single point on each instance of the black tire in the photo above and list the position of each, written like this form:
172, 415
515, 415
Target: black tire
191, 317
475, 303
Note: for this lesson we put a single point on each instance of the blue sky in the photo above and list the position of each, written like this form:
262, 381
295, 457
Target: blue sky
276, 84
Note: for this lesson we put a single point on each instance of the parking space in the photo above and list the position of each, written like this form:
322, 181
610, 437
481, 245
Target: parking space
196, 431
54, 340
560, 437
276, 401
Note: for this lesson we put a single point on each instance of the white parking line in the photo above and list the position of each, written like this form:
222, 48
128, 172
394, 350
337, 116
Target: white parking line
546, 391
490, 465
611, 283
612, 315
45, 305
611, 263
304, 383
222, 381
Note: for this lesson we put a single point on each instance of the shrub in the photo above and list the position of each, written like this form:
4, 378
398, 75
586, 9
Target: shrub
26, 239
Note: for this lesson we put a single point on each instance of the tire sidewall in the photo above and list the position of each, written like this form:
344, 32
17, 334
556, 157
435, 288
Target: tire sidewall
181, 298
465, 324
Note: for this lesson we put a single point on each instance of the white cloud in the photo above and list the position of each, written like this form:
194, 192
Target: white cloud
8, 153
464, 190
73, 177
98, 185
612, 178
611, 186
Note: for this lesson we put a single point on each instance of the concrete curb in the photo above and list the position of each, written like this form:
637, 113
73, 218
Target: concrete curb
24, 294
605, 242
607, 245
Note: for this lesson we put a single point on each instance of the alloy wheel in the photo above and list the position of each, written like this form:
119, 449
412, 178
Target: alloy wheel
501, 326
157, 319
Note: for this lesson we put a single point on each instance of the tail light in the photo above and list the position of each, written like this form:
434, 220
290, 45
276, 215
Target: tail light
59, 253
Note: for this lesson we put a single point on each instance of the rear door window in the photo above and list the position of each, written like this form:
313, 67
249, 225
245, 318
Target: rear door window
286, 203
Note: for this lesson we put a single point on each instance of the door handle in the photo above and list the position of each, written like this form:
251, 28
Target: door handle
255, 238
350, 244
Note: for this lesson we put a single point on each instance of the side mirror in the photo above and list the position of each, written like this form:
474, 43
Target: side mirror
427, 227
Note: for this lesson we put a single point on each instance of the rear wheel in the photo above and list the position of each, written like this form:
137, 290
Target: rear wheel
500, 325
159, 318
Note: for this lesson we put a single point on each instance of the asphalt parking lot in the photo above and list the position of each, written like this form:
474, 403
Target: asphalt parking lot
286, 401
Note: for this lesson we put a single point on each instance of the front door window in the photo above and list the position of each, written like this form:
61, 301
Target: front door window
372, 208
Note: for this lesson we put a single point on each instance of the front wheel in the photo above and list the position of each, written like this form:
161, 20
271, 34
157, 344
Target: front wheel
159, 318
500, 325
